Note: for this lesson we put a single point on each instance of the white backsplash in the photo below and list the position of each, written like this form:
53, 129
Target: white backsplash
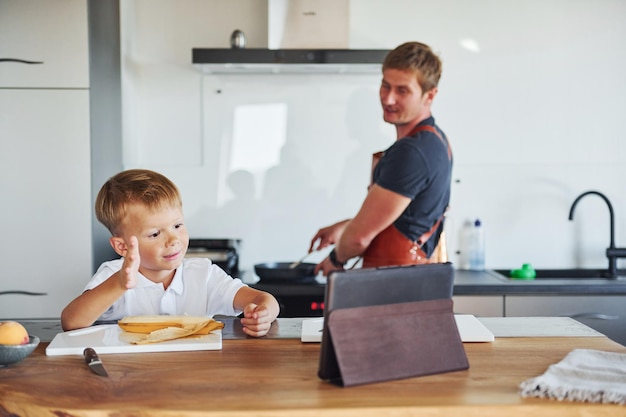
534, 111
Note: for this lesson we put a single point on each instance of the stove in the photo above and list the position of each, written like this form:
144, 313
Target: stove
222, 252
296, 300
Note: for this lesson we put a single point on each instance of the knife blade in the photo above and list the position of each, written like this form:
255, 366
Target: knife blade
93, 361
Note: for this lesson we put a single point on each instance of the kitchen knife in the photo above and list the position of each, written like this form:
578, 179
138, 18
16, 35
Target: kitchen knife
94, 362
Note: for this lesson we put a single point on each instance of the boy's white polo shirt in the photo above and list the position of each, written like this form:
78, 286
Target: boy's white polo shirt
199, 288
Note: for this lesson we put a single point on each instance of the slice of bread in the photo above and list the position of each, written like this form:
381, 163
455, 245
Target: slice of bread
151, 323
161, 335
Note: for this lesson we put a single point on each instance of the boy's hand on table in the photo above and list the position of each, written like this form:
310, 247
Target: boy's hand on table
130, 267
256, 320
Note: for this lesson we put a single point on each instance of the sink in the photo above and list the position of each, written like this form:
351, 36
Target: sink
568, 273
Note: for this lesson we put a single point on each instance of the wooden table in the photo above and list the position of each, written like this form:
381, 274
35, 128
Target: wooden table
278, 377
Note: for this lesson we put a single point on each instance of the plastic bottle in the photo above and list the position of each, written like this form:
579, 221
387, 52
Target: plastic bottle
476, 247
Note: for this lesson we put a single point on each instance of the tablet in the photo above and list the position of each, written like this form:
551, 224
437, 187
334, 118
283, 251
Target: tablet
379, 286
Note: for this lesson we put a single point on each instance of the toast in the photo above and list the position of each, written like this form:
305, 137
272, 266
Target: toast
151, 323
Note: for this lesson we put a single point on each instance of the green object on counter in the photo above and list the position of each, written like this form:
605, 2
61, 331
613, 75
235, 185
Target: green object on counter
525, 272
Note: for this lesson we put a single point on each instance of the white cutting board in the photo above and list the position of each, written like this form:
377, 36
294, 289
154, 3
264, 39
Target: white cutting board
109, 338
470, 329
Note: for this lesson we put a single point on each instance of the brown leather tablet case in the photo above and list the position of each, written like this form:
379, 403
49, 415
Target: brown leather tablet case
365, 287
395, 341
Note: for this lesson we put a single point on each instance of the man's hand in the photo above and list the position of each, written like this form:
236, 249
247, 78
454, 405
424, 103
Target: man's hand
326, 266
328, 235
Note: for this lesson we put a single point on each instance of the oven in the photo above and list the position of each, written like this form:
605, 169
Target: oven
296, 300
222, 252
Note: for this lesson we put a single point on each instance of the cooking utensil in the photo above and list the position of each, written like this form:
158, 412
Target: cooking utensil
282, 271
94, 362
296, 263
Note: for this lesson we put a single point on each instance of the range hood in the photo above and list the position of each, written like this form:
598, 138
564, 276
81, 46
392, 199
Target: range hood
303, 36
271, 61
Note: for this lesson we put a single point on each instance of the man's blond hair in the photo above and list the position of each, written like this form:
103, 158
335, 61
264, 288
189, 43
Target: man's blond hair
419, 59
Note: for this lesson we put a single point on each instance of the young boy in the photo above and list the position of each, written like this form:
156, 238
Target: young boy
143, 211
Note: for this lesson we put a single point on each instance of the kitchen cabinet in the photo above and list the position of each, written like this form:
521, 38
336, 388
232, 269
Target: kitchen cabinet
45, 188
484, 306
604, 313
44, 156
52, 33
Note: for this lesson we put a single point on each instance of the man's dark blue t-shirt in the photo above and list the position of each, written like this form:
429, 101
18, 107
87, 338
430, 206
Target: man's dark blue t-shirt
418, 167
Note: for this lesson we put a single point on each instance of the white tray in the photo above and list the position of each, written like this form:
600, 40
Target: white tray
470, 329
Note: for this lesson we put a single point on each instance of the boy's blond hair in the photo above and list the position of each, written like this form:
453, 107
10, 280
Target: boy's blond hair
418, 58
134, 186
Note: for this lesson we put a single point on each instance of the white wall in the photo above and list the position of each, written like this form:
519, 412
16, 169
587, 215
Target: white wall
534, 116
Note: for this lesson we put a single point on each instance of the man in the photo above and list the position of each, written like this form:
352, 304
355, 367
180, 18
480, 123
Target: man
401, 220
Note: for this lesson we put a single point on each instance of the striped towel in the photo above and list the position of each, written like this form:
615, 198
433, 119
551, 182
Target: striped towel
583, 375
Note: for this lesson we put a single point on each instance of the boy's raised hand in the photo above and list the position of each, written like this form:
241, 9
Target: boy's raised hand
130, 267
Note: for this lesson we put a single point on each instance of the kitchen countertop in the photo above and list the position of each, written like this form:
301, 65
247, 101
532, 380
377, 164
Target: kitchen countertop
491, 283
278, 377
486, 282
291, 328
282, 328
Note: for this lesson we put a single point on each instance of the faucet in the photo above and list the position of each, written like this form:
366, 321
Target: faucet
612, 253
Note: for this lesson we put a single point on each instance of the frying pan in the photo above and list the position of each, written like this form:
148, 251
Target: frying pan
282, 271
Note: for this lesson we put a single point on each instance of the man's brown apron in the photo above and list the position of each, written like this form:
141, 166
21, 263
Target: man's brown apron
391, 247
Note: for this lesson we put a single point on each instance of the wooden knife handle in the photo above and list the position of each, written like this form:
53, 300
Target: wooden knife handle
90, 355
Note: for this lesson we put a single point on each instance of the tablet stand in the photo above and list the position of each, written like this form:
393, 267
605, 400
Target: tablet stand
396, 341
